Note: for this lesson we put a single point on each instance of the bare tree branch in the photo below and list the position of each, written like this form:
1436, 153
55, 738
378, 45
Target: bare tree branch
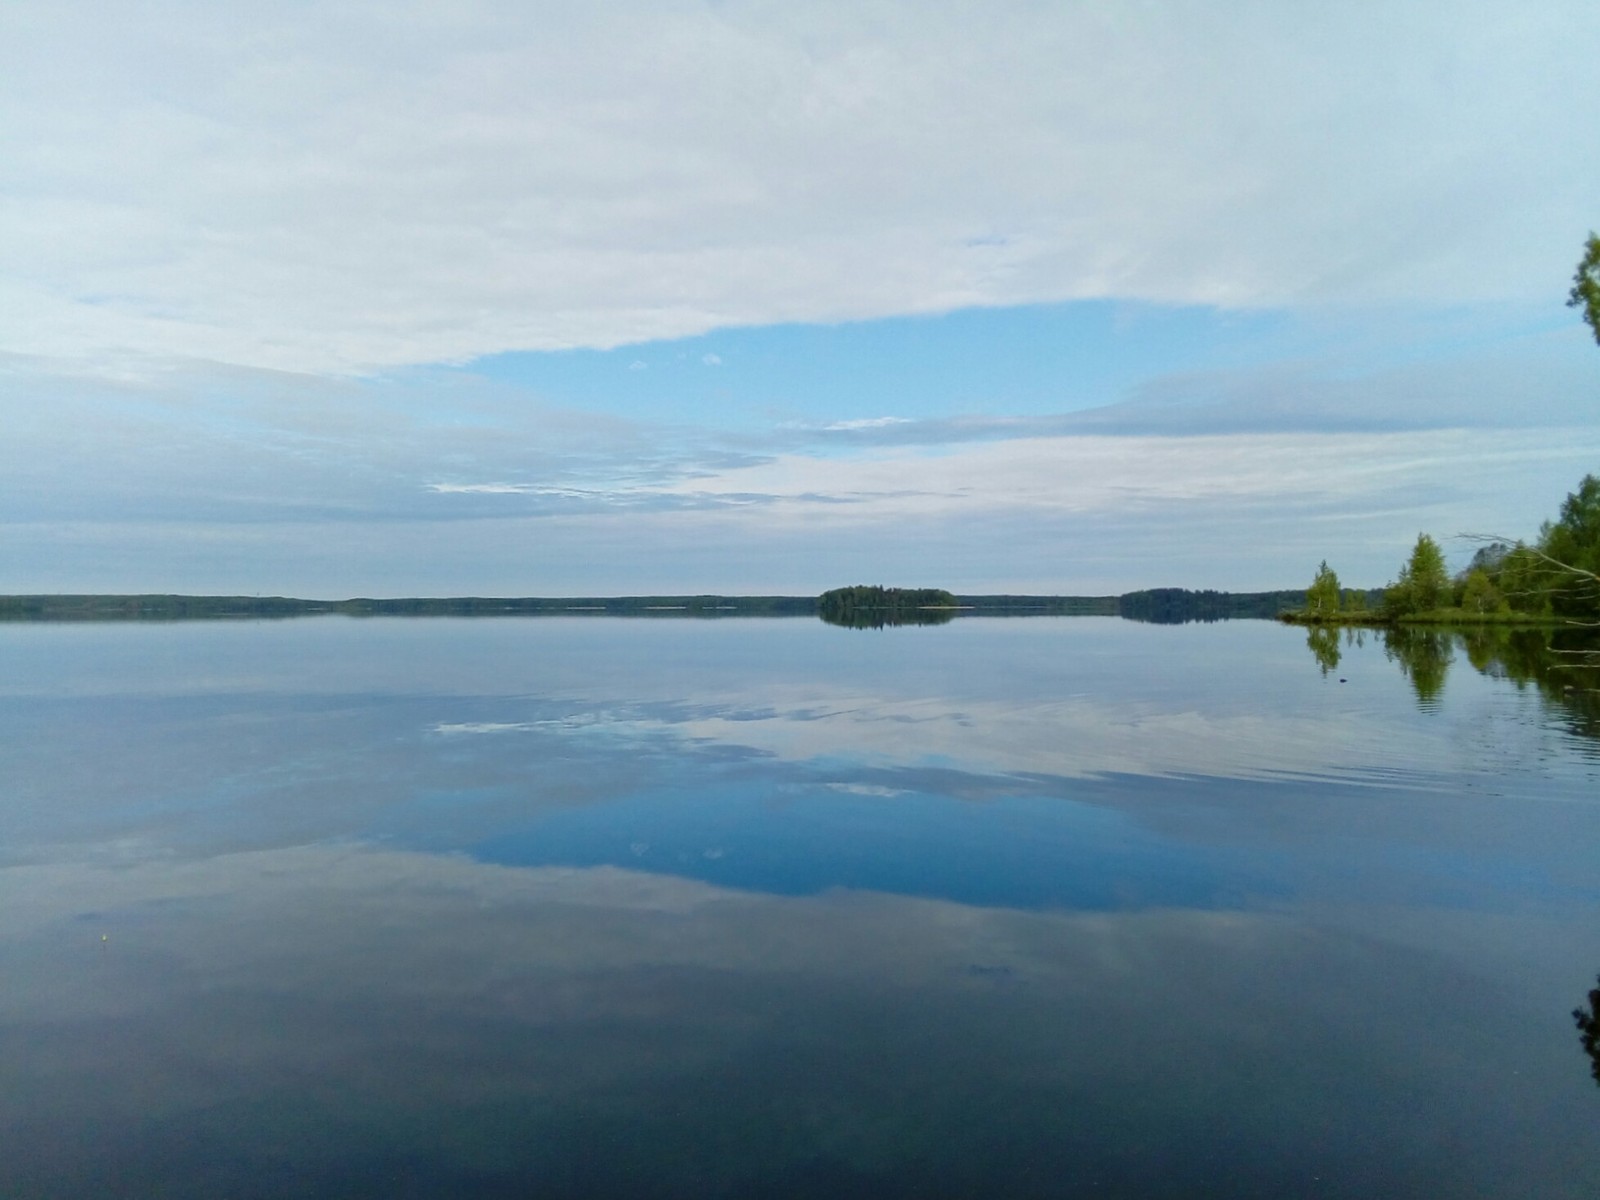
1586, 578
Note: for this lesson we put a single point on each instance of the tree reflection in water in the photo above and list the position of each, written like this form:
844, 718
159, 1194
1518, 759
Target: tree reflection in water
1562, 664
1424, 656
1323, 641
879, 619
1589, 1030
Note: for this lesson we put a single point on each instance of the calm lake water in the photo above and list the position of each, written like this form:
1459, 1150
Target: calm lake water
566, 907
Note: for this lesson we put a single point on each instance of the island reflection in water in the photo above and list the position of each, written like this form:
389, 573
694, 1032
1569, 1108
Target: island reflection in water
1036, 907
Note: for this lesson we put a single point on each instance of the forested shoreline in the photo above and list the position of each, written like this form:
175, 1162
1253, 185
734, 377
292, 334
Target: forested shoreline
1554, 579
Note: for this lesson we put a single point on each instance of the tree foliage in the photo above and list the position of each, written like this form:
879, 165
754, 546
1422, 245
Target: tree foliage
872, 607
1479, 594
1322, 597
1424, 584
1570, 548
1559, 574
1585, 292
1524, 579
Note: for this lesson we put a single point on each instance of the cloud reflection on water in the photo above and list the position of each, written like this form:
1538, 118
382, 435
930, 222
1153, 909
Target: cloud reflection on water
295, 1016
639, 908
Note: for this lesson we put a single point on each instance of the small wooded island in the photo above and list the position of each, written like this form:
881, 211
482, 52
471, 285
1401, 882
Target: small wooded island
873, 607
1553, 580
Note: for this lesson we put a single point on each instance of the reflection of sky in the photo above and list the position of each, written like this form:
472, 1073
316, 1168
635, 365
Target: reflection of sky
1087, 764
318, 1018
1003, 902
1078, 696
796, 840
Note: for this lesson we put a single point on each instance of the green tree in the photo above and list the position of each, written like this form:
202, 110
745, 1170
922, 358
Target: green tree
1322, 597
1571, 550
1559, 575
1585, 292
1525, 580
1479, 595
1424, 584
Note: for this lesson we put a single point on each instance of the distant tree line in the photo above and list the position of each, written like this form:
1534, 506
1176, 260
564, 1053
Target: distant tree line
189, 608
865, 605
1175, 606
1005, 605
874, 607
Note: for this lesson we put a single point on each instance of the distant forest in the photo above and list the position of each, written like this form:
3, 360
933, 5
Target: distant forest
184, 608
1166, 606
1175, 606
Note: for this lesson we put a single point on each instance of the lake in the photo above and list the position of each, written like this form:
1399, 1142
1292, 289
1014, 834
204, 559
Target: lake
572, 907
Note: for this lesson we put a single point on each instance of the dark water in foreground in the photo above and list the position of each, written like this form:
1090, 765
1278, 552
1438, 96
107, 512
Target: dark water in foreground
566, 907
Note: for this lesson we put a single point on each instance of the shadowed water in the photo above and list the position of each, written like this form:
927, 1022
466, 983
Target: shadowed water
567, 907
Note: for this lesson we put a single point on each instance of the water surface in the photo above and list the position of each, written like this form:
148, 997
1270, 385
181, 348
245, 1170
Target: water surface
593, 907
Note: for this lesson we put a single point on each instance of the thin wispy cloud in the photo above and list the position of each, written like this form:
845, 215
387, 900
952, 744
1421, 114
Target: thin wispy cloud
864, 423
486, 489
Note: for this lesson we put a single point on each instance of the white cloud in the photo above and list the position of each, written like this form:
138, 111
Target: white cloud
491, 489
866, 423
1089, 475
712, 360
338, 188
1083, 514
456, 727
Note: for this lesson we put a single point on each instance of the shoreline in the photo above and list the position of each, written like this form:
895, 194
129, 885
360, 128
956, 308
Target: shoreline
1160, 605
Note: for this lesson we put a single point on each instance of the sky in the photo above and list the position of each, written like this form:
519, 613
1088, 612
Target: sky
510, 298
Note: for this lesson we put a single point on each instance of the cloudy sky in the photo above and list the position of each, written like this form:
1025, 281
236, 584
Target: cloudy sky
542, 298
